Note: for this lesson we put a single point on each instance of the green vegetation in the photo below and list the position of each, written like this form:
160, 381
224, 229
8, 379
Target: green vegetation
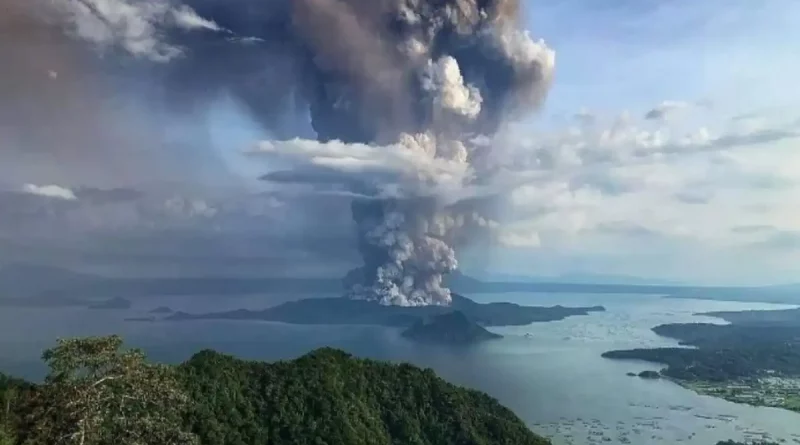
754, 360
724, 352
649, 375
12, 392
329, 397
98, 393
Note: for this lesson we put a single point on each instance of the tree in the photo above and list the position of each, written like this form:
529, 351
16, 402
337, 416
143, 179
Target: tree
99, 394
10, 395
6, 438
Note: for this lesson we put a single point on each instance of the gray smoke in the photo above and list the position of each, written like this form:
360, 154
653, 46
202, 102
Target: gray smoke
418, 79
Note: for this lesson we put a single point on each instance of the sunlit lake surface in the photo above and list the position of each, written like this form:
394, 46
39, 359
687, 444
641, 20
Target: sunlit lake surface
550, 374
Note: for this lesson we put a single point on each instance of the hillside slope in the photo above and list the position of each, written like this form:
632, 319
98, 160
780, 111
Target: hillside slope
452, 328
329, 397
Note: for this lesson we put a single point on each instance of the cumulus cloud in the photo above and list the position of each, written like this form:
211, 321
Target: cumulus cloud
666, 181
50, 191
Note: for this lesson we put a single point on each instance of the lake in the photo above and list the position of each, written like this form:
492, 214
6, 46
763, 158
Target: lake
551, 374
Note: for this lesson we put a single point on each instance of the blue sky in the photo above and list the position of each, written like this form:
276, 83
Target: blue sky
631, 54
732, 66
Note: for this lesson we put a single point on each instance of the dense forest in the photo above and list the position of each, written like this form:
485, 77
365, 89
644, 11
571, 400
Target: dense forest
724, 352
330, 397
100, 393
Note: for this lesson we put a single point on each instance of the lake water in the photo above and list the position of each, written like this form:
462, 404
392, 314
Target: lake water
553, 378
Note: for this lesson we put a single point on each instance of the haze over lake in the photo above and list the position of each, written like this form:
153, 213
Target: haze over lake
551, 374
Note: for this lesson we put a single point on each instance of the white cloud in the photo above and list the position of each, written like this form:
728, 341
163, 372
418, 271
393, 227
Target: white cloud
186, 18
50, 191
408, 168
136, 26
512, 239
667, 180
693, 185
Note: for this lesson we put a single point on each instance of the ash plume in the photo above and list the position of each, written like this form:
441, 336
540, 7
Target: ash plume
396, 91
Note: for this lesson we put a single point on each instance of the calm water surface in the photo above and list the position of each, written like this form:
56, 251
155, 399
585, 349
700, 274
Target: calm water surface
550, 374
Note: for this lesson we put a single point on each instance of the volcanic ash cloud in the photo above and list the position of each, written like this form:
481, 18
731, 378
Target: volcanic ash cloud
399, 94
396, 91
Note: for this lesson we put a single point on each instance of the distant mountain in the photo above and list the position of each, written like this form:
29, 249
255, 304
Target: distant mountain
589, 278
452, 328
787, 294
783, 294
26, 280
780, 317
138, 287
42, 286
578, 278
361, 312
791, 287
465, 284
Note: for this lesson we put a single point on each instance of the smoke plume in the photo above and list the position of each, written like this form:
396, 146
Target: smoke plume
397, 92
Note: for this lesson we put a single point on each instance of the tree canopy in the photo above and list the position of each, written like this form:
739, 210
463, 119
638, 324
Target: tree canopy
329, 397
99, 393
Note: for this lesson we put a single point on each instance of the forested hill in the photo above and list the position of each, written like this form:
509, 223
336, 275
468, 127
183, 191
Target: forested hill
98, 392
329, 397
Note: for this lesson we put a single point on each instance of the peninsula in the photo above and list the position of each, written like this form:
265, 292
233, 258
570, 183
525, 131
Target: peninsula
753, 360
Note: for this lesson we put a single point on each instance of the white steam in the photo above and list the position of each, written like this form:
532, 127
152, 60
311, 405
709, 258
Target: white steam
135, 26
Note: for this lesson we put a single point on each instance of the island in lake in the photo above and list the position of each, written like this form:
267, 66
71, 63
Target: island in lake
112, 303
652, 375
452, 328
334, 311
161, 310
753, 360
